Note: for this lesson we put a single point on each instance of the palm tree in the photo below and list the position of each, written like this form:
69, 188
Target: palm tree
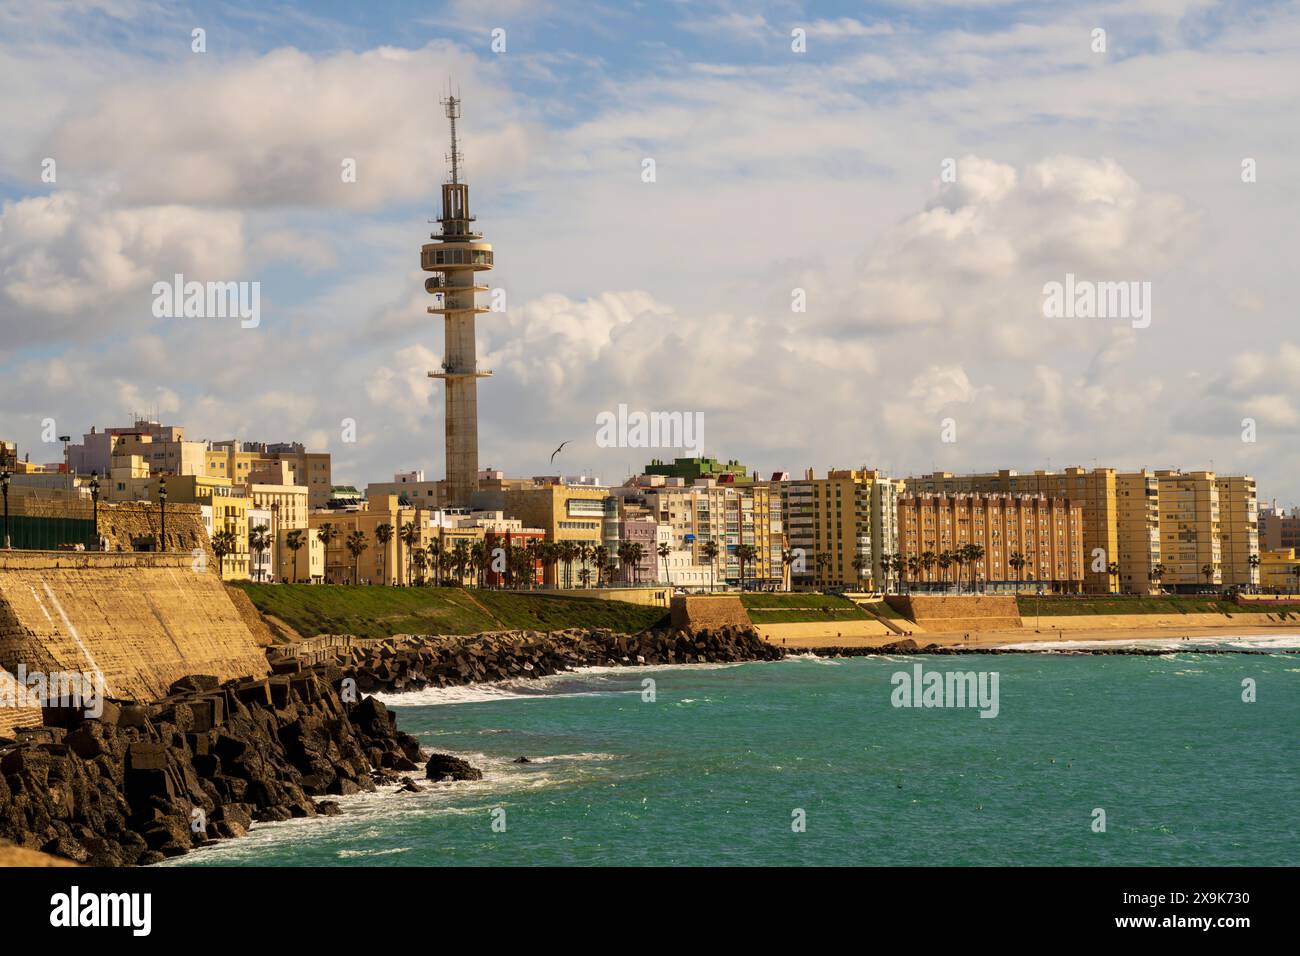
787, 559
356, 543
927, 563
1158, 571
294, 541
823, 562
435, 559
1207, 571
585, 576
258, 541
600, 557
746, 554
325, 534
945, 562
223, 543
913, 566
419, 560
476, 551
460, 560
383, 535
636, 552
1017, 562
1253, 562
859, 564
897, 564
663, 551
409, 536
974, 554
710, 554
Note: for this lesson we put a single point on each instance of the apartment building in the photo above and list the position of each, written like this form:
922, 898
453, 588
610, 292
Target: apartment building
1047, 534
1137, 525
1190, 530
1094, 489
262, 463
841, 529
1238, 530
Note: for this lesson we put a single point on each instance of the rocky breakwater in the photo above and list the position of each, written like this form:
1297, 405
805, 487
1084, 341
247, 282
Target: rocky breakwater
143, 782
411, 663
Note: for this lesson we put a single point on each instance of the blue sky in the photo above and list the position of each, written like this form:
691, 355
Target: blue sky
775, 171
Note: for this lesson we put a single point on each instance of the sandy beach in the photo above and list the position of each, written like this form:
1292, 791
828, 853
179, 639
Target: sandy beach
1053, 633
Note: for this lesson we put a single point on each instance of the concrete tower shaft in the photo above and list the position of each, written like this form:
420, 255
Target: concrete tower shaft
455, 257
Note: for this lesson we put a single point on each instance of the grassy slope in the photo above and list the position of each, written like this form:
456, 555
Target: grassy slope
1141, 605
799, 608
384, 611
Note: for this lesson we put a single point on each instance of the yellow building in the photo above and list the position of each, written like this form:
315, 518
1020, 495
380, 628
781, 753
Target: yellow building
1094, 489
842, 528
1278, 571
304, 564
564, 512
378, 563
1190, 530
260, 463
1238, 530
1137, 500
1045, 533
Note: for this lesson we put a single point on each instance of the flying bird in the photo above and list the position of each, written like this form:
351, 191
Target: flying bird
558, 450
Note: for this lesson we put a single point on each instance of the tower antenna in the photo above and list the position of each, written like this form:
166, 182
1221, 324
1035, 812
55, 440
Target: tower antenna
451, 105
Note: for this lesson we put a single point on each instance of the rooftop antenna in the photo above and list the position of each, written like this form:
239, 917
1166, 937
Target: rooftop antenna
451, 106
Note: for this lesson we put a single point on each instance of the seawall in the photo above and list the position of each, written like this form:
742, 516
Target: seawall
142, 620
971, 612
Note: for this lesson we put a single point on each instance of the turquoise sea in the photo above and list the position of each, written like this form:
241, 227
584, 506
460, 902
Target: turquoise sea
716, 769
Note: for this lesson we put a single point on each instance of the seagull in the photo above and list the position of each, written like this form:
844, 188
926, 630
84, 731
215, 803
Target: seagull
558, 450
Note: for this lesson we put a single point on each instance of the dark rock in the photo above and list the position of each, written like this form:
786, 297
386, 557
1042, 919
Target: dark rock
446, 767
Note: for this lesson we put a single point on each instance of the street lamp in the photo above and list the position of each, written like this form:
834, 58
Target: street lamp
4, 483
94, 498
162, 506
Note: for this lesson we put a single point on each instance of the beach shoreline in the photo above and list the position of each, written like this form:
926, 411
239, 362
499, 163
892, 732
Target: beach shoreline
1047, 636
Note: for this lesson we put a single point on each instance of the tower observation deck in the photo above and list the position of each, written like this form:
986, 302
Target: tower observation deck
455, 257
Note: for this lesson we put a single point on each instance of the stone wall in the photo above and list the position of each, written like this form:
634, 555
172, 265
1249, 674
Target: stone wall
143, 620
693, 612
972, 612
13, 716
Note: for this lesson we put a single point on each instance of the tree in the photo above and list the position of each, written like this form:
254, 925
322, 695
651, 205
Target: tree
476, 552
325, 534
913, 566
460, 560
1156, 573
259, 539
636, 552
419, 559
1207, 572
1017, 562
1112, 571
787, 559
356, 543
746, 554
897, 564
600, 557
434, 549
710, 554
927, 563
823, 562
223, 543
859, 565
974, 554
409, 536
295, 541
383, 535
945, 562
664, 550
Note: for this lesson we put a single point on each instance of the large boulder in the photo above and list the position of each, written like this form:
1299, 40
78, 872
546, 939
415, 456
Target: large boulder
446, 767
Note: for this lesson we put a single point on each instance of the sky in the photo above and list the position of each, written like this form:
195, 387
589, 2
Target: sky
840, 260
